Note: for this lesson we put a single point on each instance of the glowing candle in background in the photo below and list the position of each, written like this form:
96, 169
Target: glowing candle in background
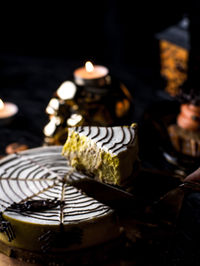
1, 105
89, 67
89, 72
7, 111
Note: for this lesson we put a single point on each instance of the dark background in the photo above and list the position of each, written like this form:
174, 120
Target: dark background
106, 31
42, 44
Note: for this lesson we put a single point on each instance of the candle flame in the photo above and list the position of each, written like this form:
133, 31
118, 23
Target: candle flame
89, 66
1, 104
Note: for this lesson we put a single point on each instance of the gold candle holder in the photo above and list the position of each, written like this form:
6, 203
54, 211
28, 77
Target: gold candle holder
91, 97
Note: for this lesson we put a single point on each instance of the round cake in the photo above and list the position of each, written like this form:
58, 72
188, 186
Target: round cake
42, 213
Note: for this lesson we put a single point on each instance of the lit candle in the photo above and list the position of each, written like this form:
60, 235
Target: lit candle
90, 74
7, 111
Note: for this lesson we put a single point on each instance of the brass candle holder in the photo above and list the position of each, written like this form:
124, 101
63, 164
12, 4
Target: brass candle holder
90, 97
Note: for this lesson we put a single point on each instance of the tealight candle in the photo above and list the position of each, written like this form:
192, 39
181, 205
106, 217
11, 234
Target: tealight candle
91, 74
7, 111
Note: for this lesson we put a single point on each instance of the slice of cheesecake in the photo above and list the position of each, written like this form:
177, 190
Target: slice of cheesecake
108, 153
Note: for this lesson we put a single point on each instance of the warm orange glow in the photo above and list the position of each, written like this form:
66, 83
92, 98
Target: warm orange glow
89, 66
1, 104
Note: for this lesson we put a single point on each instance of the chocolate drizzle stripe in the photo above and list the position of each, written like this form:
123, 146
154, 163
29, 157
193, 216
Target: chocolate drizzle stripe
80, 129
49, 213
68, 194
16, 161
119, 142
17, 169
6, 202
3, 204
52, 218
4, 191
45, 169
24, 179
72, 199
29, 188
122, 143
131, 136
84, 211
130, 140
43, 183
25, 169
85, 130
38, 193
71, 190
8, 160
81, 213
36, 185
79, 198
106, 134
36, 173
49, 195
13, 191
96, 134
89, 213
78, 205
111, 136
89, 131
19, 186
